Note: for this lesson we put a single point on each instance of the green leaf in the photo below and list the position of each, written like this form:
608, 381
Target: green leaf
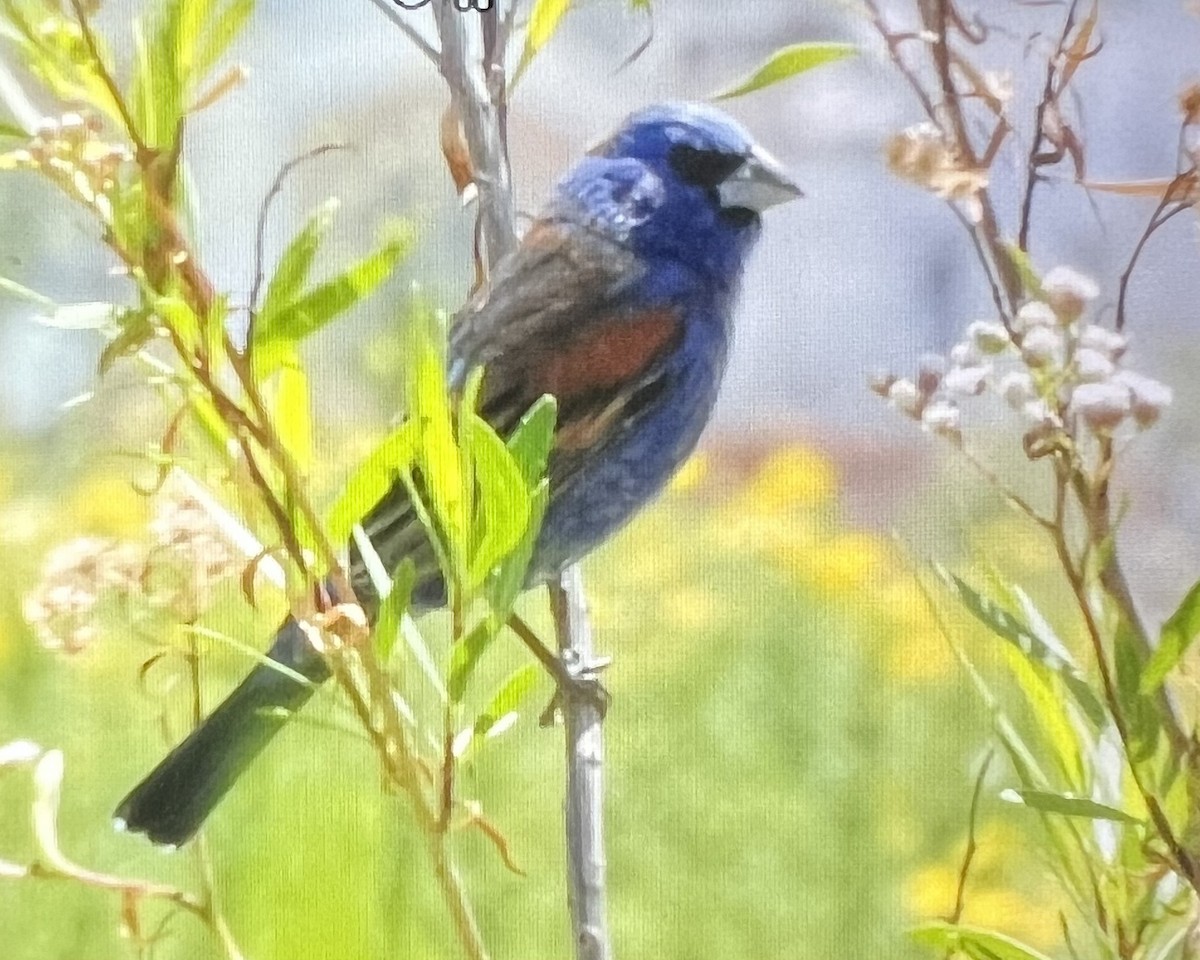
544, 20
503, 503
293, 412
1039, 649
1177, 636
311, 311
1022, 263
508, 581
1051, 711
533, 437
466, 654
222, 31
507, 698
787, 62
973, 942
371, 480
530, 445
441, 467
160, 75
12, 130
1141, 712
393, 608
1067, 805
292, 272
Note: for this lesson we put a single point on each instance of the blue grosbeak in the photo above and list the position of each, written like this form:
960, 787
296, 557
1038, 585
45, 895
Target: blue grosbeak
619, 302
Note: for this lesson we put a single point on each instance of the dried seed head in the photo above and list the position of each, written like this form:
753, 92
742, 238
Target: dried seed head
922, 155
74, 577
1068, 291
881, 382
1017, 389
1103, 406
1092, 366
967, 381
944, 419
1149, 397
930, 371
1042, 347
905, 397
1102, 340
1035, 313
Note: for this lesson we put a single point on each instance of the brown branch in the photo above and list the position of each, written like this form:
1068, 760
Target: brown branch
964, 871
1183, 861
1183, 185
1049, 96
89, 39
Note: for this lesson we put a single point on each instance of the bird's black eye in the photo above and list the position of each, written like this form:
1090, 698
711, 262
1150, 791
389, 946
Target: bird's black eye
703, 168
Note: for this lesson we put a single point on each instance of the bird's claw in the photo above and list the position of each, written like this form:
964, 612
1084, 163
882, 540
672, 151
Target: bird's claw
578, 683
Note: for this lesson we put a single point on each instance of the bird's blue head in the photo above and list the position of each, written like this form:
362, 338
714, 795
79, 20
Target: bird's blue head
680, 182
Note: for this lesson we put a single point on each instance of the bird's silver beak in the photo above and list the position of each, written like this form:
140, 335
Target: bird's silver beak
759, 183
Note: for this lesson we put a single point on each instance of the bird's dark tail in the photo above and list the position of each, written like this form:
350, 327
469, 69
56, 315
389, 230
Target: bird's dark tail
171, 803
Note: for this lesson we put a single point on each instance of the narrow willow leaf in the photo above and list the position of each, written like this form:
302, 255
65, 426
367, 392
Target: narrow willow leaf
1051, 711
438, 456
371, 480
293, 413
1009, 627
544, 21
466, 655
1177, 636
222, 30
973, 942
1144, 725
503, 502
24, 293
533, 437
292, 272
310, 312
507, 698
248, 651
788, 62
1067, 805
1022, 263
394, 607
12, 130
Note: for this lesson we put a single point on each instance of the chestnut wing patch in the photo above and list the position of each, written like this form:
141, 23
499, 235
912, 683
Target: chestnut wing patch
608, 355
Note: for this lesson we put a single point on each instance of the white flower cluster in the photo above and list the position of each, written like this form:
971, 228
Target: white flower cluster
1058, 371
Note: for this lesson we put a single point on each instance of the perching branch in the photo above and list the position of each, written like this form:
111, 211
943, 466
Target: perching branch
477, 99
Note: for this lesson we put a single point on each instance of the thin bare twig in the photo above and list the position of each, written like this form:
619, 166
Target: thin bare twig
964, 871
1176, 198
472, 101
478, 100
89, 39
1049, 96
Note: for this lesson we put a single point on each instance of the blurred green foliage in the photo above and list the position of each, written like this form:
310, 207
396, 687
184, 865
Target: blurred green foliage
790, 750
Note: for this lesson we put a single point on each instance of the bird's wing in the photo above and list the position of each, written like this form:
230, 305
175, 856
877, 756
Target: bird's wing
559, 318
555, 318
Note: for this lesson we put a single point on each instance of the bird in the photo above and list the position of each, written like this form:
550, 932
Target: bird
618, 301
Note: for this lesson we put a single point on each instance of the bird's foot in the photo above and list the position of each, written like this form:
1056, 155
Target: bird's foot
578, 684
